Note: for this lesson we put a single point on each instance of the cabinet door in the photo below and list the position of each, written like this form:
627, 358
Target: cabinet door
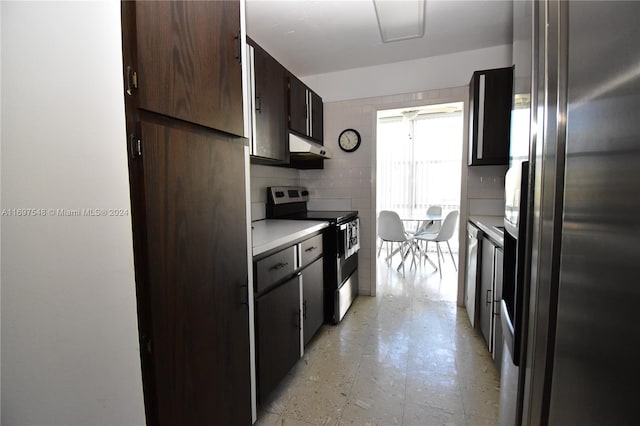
188, 65
490, 99
270, 108
297, 106
278, 334
313, 299
471, 281
194, 252
486, 292
497, 335
317, 118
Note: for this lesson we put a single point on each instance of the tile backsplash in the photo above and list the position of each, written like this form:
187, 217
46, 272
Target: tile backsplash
263, 177
485, 190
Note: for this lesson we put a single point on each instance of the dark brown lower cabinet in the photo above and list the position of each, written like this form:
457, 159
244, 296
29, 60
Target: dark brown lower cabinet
312, 299
191, 245
491, 278
278, 334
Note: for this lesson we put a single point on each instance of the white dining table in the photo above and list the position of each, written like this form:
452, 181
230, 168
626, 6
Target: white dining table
423, 218
432, 218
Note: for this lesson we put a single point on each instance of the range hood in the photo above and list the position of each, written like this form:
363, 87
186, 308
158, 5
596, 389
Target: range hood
303, 148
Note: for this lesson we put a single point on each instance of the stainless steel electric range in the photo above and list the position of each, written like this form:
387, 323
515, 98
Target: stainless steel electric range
341, 242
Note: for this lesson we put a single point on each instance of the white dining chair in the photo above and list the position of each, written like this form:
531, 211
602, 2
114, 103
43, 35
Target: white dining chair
430, 226
391, 230
444, 234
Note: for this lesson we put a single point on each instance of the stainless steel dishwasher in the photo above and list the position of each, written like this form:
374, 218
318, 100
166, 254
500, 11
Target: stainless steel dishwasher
471, 282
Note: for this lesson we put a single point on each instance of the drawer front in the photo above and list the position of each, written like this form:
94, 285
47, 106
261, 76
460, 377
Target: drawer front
310, 250
274, 268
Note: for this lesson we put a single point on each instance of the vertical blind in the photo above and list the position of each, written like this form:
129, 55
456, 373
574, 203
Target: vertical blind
419, 164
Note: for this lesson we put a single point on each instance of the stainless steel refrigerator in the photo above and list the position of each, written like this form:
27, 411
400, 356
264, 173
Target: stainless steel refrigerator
576, 359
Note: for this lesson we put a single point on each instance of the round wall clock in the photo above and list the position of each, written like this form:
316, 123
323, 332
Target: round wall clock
349, 140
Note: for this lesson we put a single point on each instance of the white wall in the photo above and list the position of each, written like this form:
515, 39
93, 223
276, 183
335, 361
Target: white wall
70, 352
437, 72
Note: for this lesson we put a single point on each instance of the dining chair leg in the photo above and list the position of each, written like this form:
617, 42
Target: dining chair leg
451, 254
428, 259
413, 256
440, 251
406, 253
440, 254
402, 257
380, 249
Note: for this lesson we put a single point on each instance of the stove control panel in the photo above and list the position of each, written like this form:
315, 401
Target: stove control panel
287, 194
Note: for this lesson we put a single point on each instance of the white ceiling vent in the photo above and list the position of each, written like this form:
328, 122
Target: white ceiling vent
400, 19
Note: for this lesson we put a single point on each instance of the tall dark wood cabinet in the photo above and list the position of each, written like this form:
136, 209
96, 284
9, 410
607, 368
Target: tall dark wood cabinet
186, 165
490, 95
270, 108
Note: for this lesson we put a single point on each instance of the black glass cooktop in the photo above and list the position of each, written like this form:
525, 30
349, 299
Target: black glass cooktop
330, 215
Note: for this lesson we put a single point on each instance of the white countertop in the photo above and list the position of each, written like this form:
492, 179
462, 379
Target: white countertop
486, 225
273, 233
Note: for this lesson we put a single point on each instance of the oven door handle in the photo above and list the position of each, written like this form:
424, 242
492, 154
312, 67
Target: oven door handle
350, 237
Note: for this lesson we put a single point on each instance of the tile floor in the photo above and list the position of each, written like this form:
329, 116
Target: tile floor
405, 357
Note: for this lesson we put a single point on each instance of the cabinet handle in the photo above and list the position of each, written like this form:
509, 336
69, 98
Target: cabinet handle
304, 310
310, 249
239, 47
278, 266
480, 136
244, 295
259, 104
132, 80
487, 299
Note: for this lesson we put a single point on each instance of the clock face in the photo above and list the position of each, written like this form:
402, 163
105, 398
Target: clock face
349, 140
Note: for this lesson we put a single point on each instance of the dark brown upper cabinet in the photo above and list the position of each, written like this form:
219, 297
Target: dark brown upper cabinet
269, 142
490, 94
306, 117
305, 110
317, 109
189, 64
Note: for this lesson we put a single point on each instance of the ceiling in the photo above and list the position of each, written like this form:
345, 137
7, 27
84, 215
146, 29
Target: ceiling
318, 36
